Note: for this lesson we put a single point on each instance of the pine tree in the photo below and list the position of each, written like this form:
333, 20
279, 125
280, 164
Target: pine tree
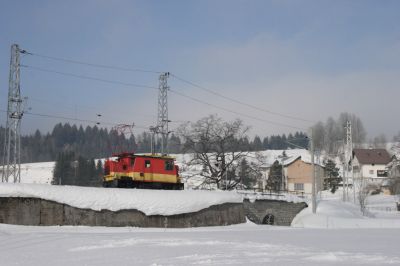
245, 174
63, 173
275, 177
332, 176
99, 174
257, 144
265, 143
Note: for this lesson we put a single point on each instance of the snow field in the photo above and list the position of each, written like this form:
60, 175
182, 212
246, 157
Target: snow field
245, 244
332, 212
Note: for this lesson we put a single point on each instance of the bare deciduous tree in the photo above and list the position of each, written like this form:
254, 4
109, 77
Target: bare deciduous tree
216, 145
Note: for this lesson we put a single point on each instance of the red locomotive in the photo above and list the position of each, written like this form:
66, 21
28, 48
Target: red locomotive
130, 170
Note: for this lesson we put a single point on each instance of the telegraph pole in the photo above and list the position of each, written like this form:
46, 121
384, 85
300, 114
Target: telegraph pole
348, 156
12, 139
162, 122
313, 189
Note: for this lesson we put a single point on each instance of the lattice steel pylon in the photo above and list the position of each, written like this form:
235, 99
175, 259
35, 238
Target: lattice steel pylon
12, 139
348, 153
162, 123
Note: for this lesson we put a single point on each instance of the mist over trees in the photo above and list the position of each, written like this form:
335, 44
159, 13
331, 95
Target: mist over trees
329, 136
396, 138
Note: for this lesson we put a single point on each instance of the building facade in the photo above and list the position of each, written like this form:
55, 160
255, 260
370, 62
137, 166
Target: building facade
371, 164
299, 176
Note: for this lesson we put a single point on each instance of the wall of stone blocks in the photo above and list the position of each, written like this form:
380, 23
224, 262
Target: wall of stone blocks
33, 211
283, 212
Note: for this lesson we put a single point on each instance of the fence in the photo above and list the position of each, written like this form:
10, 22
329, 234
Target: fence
384, 209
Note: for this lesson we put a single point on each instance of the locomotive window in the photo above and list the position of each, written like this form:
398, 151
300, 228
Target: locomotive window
132, 161
169, 165
147, 163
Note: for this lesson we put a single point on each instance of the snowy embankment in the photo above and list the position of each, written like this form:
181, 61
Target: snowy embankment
253, 196
150, 202
333, 213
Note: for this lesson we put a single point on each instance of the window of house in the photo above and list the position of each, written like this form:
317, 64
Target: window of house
298, 186
169, 165
147, 163
381, 173
371, 172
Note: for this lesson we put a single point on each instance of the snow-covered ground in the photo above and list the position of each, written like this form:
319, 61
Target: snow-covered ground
338, 233
332, 212
37, 173
245, 244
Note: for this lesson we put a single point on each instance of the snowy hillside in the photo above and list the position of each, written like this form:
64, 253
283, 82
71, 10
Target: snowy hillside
37, 173
42, 173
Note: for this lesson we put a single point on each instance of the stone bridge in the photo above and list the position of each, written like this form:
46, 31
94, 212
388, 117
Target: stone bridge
274, 212
33, 211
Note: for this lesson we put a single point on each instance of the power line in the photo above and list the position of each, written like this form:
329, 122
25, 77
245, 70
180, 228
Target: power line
234, 112
71, 106
174, 91
77, 119
89, 77
239, 102
71, 61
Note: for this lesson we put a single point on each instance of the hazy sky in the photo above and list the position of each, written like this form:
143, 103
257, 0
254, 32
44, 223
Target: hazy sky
309, 59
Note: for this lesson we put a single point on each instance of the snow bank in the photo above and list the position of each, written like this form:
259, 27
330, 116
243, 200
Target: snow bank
150, 202
253, 196
338, 214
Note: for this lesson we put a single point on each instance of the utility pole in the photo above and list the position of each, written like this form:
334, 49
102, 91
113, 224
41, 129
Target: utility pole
162, 123
348, 158
313, 191
283, 177
12, 139
154, 131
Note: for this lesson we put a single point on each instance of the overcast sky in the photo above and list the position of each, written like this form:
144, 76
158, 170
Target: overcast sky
308, 59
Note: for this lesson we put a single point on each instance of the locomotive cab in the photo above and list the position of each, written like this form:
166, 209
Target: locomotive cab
128, 170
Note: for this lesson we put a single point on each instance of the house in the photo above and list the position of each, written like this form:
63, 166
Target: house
297, 172
371, 164
299, 176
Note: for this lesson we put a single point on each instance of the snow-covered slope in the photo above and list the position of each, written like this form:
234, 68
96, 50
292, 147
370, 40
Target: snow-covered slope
332, 212
37, 173
150, 202
42, 173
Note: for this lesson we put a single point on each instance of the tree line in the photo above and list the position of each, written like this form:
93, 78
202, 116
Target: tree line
77, 170
95, 142
329, 136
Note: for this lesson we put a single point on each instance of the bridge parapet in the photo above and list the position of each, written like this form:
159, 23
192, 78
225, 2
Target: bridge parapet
274, 212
